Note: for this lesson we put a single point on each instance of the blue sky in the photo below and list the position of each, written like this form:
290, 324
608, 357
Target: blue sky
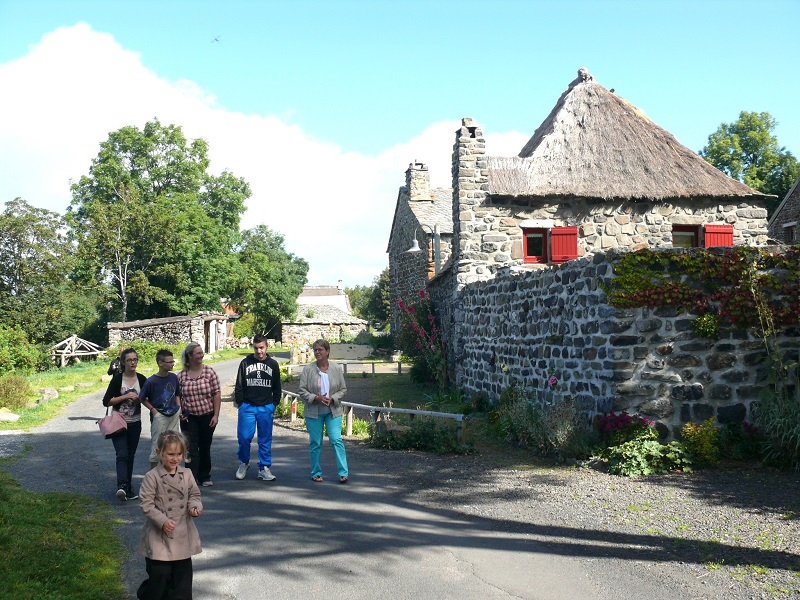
322, 105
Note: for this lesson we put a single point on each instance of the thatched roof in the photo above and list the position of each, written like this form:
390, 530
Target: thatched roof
595, 144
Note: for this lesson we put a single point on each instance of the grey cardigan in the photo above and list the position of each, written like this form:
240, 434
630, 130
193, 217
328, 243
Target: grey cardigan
309, 388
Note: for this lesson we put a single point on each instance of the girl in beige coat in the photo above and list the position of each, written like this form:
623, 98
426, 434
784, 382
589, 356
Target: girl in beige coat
169, 498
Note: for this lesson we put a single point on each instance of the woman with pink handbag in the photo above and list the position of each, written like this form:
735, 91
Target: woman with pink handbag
122, 395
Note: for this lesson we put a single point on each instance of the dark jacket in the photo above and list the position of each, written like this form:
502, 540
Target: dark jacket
258, 382
114, 389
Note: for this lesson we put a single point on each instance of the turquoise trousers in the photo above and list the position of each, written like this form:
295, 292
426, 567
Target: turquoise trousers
334, 427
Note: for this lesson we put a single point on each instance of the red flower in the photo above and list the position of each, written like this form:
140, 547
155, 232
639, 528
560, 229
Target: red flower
401, 304
422, 294
411, 309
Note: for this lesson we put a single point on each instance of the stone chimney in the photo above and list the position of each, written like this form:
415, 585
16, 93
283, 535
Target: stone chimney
418, 182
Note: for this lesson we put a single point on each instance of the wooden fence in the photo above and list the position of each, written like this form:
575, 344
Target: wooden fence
375, 413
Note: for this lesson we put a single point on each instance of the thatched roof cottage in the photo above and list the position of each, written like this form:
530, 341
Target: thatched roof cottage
597, 174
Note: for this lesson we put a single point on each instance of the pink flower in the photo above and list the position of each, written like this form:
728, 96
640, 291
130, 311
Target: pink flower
552, 380
431, 318
411, 309
419, 346
401, 304
422, 294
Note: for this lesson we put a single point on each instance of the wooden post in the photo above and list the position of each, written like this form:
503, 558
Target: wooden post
373, 369
461, 432
399, 368
349, 416
293, 412
345, 369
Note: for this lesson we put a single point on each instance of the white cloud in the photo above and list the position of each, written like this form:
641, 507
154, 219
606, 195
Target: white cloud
334, 208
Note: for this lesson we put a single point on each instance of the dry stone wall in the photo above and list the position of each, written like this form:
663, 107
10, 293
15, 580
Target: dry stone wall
524, 326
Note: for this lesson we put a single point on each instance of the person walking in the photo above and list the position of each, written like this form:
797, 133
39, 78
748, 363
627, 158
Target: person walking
322, 387
256, 394
122, 395
170, 499
161, 396
200, 403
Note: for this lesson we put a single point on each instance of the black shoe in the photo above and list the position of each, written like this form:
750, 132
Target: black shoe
130, 494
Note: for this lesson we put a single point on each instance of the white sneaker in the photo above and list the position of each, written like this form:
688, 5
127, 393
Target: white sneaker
122, 495
266, 474
242, 470
209, 483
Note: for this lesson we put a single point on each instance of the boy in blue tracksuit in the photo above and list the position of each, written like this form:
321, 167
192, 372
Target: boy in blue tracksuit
257, 393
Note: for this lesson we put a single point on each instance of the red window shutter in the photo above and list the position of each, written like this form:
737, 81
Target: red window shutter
564, 244
718, 235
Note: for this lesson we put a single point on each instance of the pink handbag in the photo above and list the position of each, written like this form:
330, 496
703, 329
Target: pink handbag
112, 423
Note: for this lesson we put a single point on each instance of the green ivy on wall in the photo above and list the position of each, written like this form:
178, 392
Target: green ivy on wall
735, 285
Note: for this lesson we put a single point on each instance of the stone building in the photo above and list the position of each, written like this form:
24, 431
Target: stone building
425, 216
323, 312
535, 236
783, 225
209, 329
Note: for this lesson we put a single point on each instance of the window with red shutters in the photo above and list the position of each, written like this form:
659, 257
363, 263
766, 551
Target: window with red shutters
534, 243
718, 235
564, 244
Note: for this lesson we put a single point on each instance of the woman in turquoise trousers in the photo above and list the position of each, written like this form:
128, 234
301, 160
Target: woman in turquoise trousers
322, 387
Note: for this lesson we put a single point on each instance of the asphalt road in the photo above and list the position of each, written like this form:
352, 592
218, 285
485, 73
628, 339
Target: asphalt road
293, 538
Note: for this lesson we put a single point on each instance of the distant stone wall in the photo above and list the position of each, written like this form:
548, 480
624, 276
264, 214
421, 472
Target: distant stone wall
305, 334
524, 326
208, 329
784, 226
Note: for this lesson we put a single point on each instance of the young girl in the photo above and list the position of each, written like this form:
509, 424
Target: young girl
169, 496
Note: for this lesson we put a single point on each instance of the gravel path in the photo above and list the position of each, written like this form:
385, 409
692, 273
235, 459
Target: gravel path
738, 527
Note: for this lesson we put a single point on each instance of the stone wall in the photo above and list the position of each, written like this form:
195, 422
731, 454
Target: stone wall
523, 326
209, 329
304, 334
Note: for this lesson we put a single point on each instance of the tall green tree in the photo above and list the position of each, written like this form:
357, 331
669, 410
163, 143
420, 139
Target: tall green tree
155, 230
748, 151
371, 302
270, 279
36, 259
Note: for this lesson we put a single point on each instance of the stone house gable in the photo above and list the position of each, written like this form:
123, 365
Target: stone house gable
784, 225
426, 215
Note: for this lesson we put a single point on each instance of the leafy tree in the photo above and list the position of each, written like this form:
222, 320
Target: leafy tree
155, 230
372, 302
748, 151
35, 261
270, 279
379, 305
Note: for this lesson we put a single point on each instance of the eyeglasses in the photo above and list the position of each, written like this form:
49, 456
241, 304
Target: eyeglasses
131, 360
169, 362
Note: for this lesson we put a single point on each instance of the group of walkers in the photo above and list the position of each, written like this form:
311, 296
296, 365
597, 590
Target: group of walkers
184, 412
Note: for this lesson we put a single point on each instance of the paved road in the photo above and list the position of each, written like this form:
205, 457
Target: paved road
293, 538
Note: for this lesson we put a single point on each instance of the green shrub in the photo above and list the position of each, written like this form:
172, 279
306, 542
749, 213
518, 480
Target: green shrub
616, 429
740, 441
284, 412
706, 325
643, 456
425, 435
18, 354
702, 442
15, 392
549, 428
778, 416
244, 326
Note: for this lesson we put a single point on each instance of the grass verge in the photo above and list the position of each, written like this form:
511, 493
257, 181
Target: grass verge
84, 378
57, 545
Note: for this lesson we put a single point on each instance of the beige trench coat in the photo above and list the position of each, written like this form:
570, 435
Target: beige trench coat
163, 497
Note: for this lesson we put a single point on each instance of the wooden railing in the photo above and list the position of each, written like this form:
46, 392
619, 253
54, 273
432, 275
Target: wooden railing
375, 413
382, 366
